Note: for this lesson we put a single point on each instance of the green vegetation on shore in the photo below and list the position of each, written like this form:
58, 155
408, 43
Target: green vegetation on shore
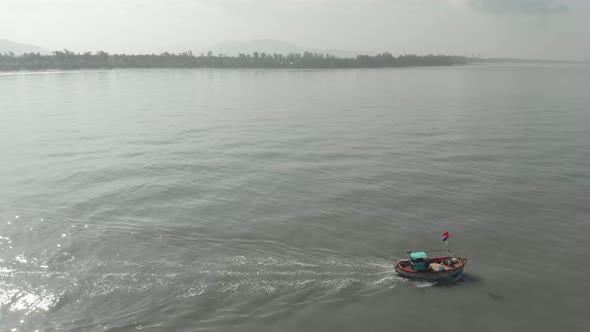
69, 60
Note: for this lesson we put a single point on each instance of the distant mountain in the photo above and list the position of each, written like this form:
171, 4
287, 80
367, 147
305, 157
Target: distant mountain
271, 46
17, 48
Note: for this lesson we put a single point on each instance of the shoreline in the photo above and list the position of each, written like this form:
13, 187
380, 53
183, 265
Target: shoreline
67, 60
71, 70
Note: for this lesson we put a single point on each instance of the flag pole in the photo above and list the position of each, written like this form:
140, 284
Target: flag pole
446, 240
448, 248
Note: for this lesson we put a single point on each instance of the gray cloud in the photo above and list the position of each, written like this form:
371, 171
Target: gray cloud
532, 7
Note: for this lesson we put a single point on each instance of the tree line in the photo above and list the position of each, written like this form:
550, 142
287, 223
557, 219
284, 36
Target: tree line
70, 60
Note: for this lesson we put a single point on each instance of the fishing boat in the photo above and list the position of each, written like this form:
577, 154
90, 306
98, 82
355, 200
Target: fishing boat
420, 266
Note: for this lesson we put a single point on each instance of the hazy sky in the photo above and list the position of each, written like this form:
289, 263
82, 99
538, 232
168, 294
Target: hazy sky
555, 29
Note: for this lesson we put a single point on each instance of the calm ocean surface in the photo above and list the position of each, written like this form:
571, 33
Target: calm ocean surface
278, 200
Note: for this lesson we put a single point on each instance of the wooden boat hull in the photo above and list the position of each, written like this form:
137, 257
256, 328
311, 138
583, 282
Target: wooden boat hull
447, 272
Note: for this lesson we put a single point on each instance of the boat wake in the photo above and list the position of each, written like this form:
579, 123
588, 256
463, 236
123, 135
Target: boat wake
29, 284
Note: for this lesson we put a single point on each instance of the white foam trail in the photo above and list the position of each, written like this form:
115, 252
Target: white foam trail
424, 284
226, 277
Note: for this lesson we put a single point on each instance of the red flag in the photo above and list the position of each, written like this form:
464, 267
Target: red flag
445, 236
